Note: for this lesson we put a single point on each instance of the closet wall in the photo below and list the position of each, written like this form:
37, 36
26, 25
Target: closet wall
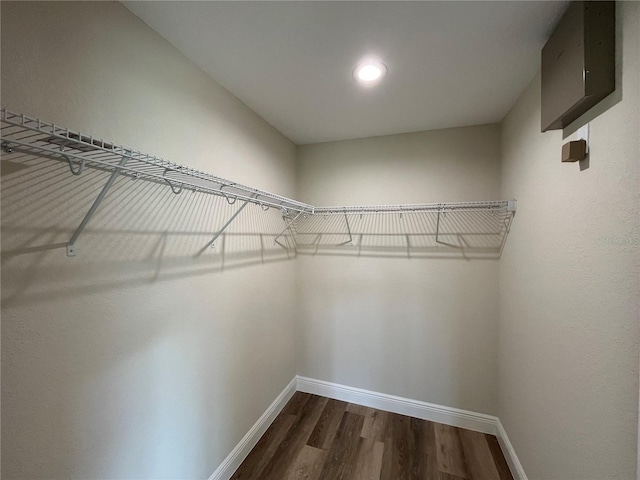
134, 359
569, 284
422, 329
137, 360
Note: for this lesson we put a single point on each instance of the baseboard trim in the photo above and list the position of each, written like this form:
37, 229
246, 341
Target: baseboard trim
230, 464
456, 417
510, 454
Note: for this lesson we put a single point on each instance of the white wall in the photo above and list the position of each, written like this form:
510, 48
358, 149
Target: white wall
569, 285
133, 360
423, 329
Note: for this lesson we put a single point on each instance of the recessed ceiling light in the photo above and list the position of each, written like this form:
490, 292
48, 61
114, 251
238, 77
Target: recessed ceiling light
369, 72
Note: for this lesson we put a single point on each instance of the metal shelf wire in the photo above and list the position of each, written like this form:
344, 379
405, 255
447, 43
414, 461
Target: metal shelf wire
468, 226
426, 207
31, 135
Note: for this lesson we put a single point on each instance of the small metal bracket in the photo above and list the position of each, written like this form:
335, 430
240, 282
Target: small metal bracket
174, 189
228, 198
288, 227
512, 205
71, 249
348, 231
442, 212
79, 169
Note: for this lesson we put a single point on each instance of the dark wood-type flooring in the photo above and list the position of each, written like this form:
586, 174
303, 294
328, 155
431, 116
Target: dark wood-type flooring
316, 438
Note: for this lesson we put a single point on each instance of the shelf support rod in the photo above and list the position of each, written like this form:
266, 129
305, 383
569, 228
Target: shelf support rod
288, 227
438, 227
349, 231
224, 227
438, 232
71, 246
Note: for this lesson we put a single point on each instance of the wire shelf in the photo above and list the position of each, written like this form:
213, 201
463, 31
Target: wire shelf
426, 207
470, 227
31, 135
436, 227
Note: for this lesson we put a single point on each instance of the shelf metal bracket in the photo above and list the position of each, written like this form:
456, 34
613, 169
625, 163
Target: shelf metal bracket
77, 170
174, 189
438, 226
224, 227
441, 211
348, 231
288, 227
71, 246
438, 233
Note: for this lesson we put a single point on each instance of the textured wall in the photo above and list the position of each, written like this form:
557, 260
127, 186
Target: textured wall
420, 328
134, 359
137, 360
569, 285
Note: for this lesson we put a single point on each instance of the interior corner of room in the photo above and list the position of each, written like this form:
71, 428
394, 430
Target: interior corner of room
406, 224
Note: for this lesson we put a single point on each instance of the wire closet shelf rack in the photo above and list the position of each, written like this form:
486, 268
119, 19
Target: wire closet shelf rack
478, 228
310, 227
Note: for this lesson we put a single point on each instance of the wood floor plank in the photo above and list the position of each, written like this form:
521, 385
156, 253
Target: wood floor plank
294, 406
449, 451
307, 465
368, 462
402, 447
265, 448
358, 409
498, 458
447, 476
426, 462
387, 458
375, 425
367, 444
478, 456
340, 463
327, 426
295, 440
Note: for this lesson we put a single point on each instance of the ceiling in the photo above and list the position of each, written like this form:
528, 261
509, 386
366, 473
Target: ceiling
450, 64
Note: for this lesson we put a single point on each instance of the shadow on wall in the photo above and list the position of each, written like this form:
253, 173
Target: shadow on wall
142, 232
115, 397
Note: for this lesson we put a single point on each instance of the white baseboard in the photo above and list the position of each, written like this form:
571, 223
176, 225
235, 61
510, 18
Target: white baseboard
510, 454
230, 464
456, 417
